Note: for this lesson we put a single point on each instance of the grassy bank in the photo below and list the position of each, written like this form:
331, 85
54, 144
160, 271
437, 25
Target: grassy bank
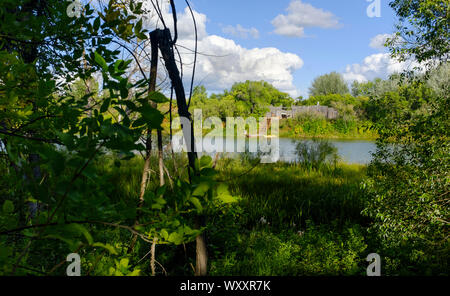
307, 127
292, 221
317, 127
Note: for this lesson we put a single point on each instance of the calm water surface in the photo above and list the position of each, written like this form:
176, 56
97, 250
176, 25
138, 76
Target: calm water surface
350, 151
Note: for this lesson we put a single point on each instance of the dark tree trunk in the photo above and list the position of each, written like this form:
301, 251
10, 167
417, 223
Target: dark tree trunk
165, 46
171, 66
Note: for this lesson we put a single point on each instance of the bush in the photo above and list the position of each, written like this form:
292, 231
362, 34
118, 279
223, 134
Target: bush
315, 153
409, 179
318, 250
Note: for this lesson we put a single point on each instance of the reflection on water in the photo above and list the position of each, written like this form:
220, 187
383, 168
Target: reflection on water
349, 151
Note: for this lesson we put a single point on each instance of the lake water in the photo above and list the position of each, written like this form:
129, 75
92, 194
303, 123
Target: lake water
350, 151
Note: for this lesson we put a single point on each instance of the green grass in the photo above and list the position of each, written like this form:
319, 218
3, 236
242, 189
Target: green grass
316, 250
291, 193
313, 222
317, 127
292, 220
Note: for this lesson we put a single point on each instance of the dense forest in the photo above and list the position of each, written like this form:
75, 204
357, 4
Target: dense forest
87, 102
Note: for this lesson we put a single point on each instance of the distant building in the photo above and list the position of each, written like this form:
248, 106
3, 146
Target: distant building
283, 112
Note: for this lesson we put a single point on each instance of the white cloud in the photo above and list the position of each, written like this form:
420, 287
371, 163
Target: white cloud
300, 16
185, 24
233, 63
241, 32
378, 41
221, 62
379, 65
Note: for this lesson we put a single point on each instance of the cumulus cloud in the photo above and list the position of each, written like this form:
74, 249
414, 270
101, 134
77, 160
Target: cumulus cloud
300, 16
379, 65
185, 24
378, 41
233, 63
221, 62
241, 32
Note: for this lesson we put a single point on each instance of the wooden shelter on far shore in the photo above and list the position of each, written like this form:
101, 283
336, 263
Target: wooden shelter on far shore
283, 112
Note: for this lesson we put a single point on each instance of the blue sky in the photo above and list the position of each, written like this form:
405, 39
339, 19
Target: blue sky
341, 42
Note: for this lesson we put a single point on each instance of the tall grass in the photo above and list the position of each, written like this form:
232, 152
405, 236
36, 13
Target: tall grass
316, 153
293, 219
311, 125
294, 193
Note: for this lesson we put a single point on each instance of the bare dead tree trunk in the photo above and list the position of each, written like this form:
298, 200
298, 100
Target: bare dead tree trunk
165, 46
145, 172
201, 260
153, 257
161, 159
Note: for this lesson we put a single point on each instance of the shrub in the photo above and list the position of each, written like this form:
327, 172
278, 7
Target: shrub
315, 153
317, 250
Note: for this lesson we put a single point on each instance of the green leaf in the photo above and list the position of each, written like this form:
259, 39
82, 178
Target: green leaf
141, 36
101, 61
135, 272
164, 234
157, 97
124, 262
105, 105
196, 202
73, 244
5, 253
121, 111
81, 229
139, 122
138, 26
204, 162
222, 189
123, 91
226, 198
208, 172
97, 24
153, 116
175, 238
108, 247
201, 189
160, 201
8, 207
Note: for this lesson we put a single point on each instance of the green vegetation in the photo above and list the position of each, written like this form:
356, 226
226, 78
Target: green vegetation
79, 173
310, 126
328, 84
352, 121
250, 98
253, 99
